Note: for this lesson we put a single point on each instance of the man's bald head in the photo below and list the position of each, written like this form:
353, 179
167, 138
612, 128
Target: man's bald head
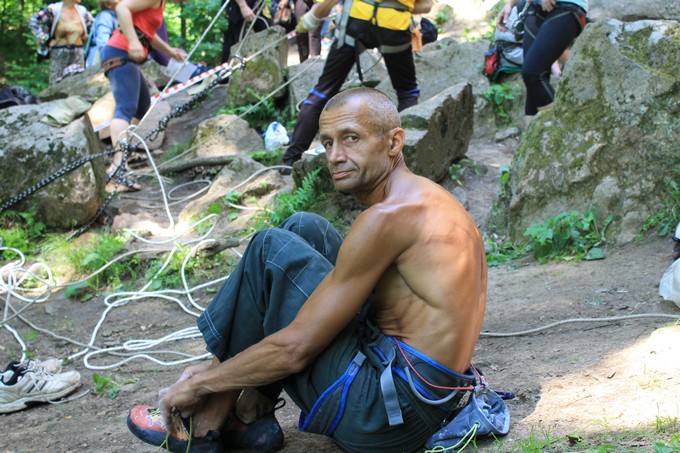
382, 114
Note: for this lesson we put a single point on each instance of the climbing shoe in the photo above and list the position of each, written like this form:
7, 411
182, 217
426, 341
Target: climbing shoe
264, 435
147, 424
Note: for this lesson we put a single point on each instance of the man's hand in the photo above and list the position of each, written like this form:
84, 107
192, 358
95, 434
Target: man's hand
181, 396
247, 13
308, 23
548, 5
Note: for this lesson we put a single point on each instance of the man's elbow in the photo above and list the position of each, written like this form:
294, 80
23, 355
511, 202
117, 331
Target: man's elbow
297, 352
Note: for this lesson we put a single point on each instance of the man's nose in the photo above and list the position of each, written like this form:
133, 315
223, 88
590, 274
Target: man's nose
336, 153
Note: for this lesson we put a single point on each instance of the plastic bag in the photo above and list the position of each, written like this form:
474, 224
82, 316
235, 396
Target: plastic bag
669, 286
486, 414
275, 136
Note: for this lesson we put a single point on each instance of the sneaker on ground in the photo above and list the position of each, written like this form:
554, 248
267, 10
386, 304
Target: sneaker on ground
52, 366
20, 386
147, 424
264, 435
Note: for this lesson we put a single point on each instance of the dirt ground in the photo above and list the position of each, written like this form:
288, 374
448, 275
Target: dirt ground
577, 378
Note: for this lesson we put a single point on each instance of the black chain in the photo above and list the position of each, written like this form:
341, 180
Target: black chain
50, 179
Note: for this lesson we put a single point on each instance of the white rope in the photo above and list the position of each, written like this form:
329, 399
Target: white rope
608, 319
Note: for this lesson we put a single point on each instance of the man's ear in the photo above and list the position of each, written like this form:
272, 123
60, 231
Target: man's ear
396, 140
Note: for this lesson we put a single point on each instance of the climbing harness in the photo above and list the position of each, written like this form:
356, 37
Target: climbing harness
115, 62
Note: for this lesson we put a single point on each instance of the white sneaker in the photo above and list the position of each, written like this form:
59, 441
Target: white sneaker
52, 366
19, 386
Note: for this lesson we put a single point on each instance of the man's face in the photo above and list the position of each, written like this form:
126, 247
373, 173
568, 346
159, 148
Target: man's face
357, 154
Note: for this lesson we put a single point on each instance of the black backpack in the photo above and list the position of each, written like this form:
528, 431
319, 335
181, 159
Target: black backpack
16, 95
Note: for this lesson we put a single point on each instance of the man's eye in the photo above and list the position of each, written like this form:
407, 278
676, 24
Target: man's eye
351, 138
327, 144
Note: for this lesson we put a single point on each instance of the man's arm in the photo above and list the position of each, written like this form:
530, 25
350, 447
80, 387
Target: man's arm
372, 245
312, 18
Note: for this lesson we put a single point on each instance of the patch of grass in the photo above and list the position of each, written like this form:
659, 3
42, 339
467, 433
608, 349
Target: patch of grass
568, 236
21, 231
286, 205
105, 385
259, 117
500, 252
458, 170
500, 96
176, 149
268, 158
666, 219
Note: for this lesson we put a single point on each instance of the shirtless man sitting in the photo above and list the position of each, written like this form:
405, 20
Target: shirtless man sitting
371, 336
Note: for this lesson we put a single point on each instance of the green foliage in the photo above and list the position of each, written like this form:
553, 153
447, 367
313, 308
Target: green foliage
568, 236
286, 205
263, 112
197, 17
268, 158
500, 251
197, 266
20, 230
500, 96
667, 218
91, 257
458, 170
105, 385
673, 445
441, 18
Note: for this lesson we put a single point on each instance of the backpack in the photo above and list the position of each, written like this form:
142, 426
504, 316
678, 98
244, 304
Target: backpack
9, 97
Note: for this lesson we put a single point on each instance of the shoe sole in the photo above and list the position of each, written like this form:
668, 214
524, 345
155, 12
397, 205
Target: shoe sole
44, 398
157, 438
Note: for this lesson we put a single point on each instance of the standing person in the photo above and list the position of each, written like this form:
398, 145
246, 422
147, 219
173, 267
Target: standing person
550, 27
371, 336
102, 29
129, 45
363, 25
64, 28
309, 42
240, 13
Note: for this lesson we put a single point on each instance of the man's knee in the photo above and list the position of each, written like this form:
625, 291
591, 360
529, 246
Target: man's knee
301, 221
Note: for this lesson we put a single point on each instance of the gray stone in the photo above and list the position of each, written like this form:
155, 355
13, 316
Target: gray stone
264, 73
507, 133
632, 10
225, 135
613, 137
31, 151
438, 131
90, 84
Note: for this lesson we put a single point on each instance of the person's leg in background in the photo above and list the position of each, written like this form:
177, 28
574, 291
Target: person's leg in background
338, 64
402, 71
544, 43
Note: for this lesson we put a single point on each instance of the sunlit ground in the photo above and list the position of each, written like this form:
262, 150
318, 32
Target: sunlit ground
630, 389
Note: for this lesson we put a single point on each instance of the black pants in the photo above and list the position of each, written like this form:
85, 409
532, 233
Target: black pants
546, 37
400, 67
232, 35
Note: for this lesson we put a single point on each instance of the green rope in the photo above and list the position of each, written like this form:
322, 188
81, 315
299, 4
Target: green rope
467, 438
166, 443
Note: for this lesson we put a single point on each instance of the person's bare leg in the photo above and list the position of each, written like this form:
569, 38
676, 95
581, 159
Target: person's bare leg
248, 403
118, 127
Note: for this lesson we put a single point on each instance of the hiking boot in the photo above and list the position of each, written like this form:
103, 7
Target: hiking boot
147, 424
264, 435
20, 386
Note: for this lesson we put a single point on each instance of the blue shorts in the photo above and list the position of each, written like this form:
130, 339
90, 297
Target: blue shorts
128, 86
